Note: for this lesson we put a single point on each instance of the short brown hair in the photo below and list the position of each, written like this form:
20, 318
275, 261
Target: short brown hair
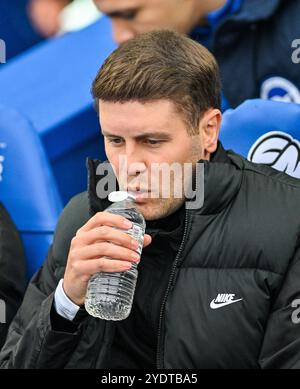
162, 65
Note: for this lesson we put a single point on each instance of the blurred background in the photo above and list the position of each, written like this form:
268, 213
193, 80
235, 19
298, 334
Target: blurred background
24, 23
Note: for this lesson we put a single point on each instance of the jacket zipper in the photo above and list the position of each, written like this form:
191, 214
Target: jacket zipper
158, 356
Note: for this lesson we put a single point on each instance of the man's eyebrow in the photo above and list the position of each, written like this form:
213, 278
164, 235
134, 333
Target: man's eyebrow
105, 133
155, 135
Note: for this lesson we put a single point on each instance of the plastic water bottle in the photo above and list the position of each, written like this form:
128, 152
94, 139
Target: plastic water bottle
110, 295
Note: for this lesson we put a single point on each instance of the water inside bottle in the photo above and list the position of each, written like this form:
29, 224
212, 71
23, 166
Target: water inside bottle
110, 295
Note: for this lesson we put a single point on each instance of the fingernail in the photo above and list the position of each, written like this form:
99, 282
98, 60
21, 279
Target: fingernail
127, 223
134, 244
135, 257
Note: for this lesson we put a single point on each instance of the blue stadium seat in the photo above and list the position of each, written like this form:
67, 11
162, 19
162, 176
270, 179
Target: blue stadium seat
16, 28
50, 84
48, 126
266, 132
27, 186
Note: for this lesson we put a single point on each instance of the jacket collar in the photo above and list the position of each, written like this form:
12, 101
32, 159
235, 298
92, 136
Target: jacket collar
251, 11
255, 10
222, 180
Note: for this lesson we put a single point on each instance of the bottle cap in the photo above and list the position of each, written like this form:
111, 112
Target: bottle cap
117, 196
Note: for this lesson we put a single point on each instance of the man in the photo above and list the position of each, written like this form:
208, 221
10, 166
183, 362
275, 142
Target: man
218, 284
44, 15
12, 272
254, 41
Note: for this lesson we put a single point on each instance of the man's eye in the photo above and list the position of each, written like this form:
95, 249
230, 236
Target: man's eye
153, 142
115, 141
128, 15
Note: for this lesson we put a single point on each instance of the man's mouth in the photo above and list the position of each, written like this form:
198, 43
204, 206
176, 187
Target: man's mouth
137, 191
139, 194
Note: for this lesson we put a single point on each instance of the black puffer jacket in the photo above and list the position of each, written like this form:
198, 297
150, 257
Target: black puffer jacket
12, 272
243, 244
254, 50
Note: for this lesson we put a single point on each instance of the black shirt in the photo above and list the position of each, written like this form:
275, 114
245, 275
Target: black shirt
135, 341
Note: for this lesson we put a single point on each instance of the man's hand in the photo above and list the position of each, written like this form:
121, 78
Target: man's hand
93, 243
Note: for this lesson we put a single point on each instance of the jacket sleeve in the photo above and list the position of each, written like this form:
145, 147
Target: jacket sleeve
31, 340
12, 272
281, 345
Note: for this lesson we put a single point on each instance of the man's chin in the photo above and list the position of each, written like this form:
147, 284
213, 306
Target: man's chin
148, 210
154, 209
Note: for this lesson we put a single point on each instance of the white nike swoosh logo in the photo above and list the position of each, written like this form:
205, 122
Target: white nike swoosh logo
214, 305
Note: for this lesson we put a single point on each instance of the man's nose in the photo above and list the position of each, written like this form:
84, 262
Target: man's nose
135, 168
122, 32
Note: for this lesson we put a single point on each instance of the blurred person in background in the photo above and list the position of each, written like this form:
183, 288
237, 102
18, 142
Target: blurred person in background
45, 15
251, 39
24, 23
12, 272
52, 17
16, 28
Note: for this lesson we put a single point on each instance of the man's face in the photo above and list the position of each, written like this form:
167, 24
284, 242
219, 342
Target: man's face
153, 132
130, 17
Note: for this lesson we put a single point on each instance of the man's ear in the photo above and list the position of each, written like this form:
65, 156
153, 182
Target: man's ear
209, 130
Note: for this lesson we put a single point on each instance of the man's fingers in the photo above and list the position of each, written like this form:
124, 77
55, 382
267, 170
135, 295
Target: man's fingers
107, 265
102, 227
106, 249
107, 219
147, 240
106, 234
